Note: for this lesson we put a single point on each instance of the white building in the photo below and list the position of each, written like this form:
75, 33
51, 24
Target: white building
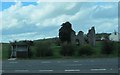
102, 38
114, 36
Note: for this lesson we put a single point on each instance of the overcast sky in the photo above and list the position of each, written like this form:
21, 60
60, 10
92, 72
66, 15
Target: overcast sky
37, 20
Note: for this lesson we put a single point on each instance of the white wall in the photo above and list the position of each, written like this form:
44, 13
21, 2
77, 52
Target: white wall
114, 37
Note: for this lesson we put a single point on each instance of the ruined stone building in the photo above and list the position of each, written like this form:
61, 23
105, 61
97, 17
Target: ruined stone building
80, 38
91, 36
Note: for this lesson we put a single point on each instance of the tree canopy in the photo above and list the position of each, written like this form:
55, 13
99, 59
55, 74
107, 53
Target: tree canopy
65, 32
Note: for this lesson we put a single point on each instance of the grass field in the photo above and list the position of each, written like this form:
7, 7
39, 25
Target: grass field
5, 50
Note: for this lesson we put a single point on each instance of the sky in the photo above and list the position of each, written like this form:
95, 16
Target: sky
37, 20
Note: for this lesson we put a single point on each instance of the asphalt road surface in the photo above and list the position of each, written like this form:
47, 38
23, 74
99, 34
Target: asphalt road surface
98, 65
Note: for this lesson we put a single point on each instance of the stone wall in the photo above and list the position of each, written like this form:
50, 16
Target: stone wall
91, 36
79, 39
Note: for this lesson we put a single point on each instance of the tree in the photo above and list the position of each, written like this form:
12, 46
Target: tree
65, 32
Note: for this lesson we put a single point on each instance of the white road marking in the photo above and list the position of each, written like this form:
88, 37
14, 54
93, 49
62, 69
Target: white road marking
45, 62
21, 70
46, 70
71, 70
12, 59
98, 69
76, 61
111, 69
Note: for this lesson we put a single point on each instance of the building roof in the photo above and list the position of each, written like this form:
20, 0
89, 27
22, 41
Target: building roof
21, 42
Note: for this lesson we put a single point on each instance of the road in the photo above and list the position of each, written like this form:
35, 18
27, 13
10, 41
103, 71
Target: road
98, 65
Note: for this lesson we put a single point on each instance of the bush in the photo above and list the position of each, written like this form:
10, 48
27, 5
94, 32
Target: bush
67, 50
56, 51
43, 49
108, 47
85, 50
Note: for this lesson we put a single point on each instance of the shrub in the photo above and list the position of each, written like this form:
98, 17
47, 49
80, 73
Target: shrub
67, 50
85, 50
43, 49
108, 47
